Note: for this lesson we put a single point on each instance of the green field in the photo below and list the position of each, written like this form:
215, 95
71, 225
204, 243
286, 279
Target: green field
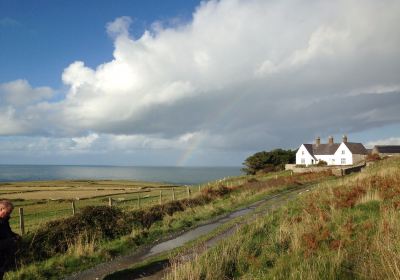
43, 201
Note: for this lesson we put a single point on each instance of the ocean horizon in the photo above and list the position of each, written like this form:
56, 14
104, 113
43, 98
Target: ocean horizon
166, 174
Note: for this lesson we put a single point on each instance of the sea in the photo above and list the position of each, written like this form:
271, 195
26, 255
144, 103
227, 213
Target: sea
169, 175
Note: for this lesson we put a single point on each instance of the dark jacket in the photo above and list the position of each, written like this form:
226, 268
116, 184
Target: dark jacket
6, 234
5, 229
8, 244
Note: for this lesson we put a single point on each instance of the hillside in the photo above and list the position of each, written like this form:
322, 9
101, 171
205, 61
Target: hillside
344, 229
97, 234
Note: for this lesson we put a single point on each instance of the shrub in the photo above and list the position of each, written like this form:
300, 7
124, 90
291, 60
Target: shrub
373, 157
322, 163
55, 236
268, 161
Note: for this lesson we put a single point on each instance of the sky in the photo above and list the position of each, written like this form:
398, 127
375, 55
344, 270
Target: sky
193, 83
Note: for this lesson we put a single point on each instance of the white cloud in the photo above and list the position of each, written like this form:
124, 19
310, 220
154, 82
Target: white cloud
9, 124
84, 142
16, 99
231, 48
119, 27
20, 93
241, 75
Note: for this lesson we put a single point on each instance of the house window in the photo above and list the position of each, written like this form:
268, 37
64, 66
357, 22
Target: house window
302, 152
343, 152
343, 161
303, 161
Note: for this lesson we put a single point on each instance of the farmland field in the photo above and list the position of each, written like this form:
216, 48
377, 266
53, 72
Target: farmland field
43, 201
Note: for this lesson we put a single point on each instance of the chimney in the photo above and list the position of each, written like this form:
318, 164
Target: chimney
344, 139
317, 141
330, 140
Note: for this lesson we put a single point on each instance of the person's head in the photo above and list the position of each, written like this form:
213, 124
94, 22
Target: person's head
6, 207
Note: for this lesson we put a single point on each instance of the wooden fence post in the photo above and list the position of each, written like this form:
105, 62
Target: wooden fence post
110, 202
160, 197
199, 188
173, 194
21, 221
188, 191
73, 207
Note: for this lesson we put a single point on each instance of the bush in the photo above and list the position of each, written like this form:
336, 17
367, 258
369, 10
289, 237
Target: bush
373, 157
322, 163
54, 237
274, 160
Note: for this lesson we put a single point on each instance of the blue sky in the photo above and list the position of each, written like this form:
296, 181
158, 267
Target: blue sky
40, 38
193, 83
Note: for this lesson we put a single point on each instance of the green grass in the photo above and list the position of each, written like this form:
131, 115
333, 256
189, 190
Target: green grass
83, 254
344, 229
38, 212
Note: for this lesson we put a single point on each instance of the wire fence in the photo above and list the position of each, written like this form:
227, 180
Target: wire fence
30, 217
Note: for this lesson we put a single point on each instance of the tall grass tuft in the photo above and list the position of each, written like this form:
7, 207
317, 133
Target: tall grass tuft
84, 245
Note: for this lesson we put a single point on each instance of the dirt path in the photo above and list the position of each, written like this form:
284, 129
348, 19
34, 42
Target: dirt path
158, 269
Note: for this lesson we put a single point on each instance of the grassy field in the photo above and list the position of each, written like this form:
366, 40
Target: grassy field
43, 201
85, 249
345, 229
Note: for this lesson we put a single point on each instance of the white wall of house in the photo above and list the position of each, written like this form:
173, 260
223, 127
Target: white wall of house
304, 157
330, 159
343, 156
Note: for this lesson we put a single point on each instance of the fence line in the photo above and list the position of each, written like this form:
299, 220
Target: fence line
33, 217
28, 220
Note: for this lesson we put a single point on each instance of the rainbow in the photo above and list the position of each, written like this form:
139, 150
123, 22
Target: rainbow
189, 151
213, 117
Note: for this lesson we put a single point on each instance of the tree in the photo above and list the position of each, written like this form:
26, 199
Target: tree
269, 161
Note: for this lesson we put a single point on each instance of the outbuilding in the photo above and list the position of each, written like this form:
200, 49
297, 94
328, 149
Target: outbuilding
386, 150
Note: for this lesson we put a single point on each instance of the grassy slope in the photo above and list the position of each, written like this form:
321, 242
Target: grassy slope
345, 229
86, 252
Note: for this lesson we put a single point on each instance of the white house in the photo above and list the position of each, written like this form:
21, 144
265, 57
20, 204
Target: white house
344, 153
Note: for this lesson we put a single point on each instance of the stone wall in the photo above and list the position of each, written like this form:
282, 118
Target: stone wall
338, 170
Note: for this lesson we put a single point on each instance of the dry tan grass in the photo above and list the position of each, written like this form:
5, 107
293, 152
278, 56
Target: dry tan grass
72, 189
62, 194
84, 245
347, 229
371, 195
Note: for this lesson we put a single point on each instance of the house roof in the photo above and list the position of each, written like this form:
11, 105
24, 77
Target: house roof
325, 149
387, 149
309, 148
356, 148
330, 149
